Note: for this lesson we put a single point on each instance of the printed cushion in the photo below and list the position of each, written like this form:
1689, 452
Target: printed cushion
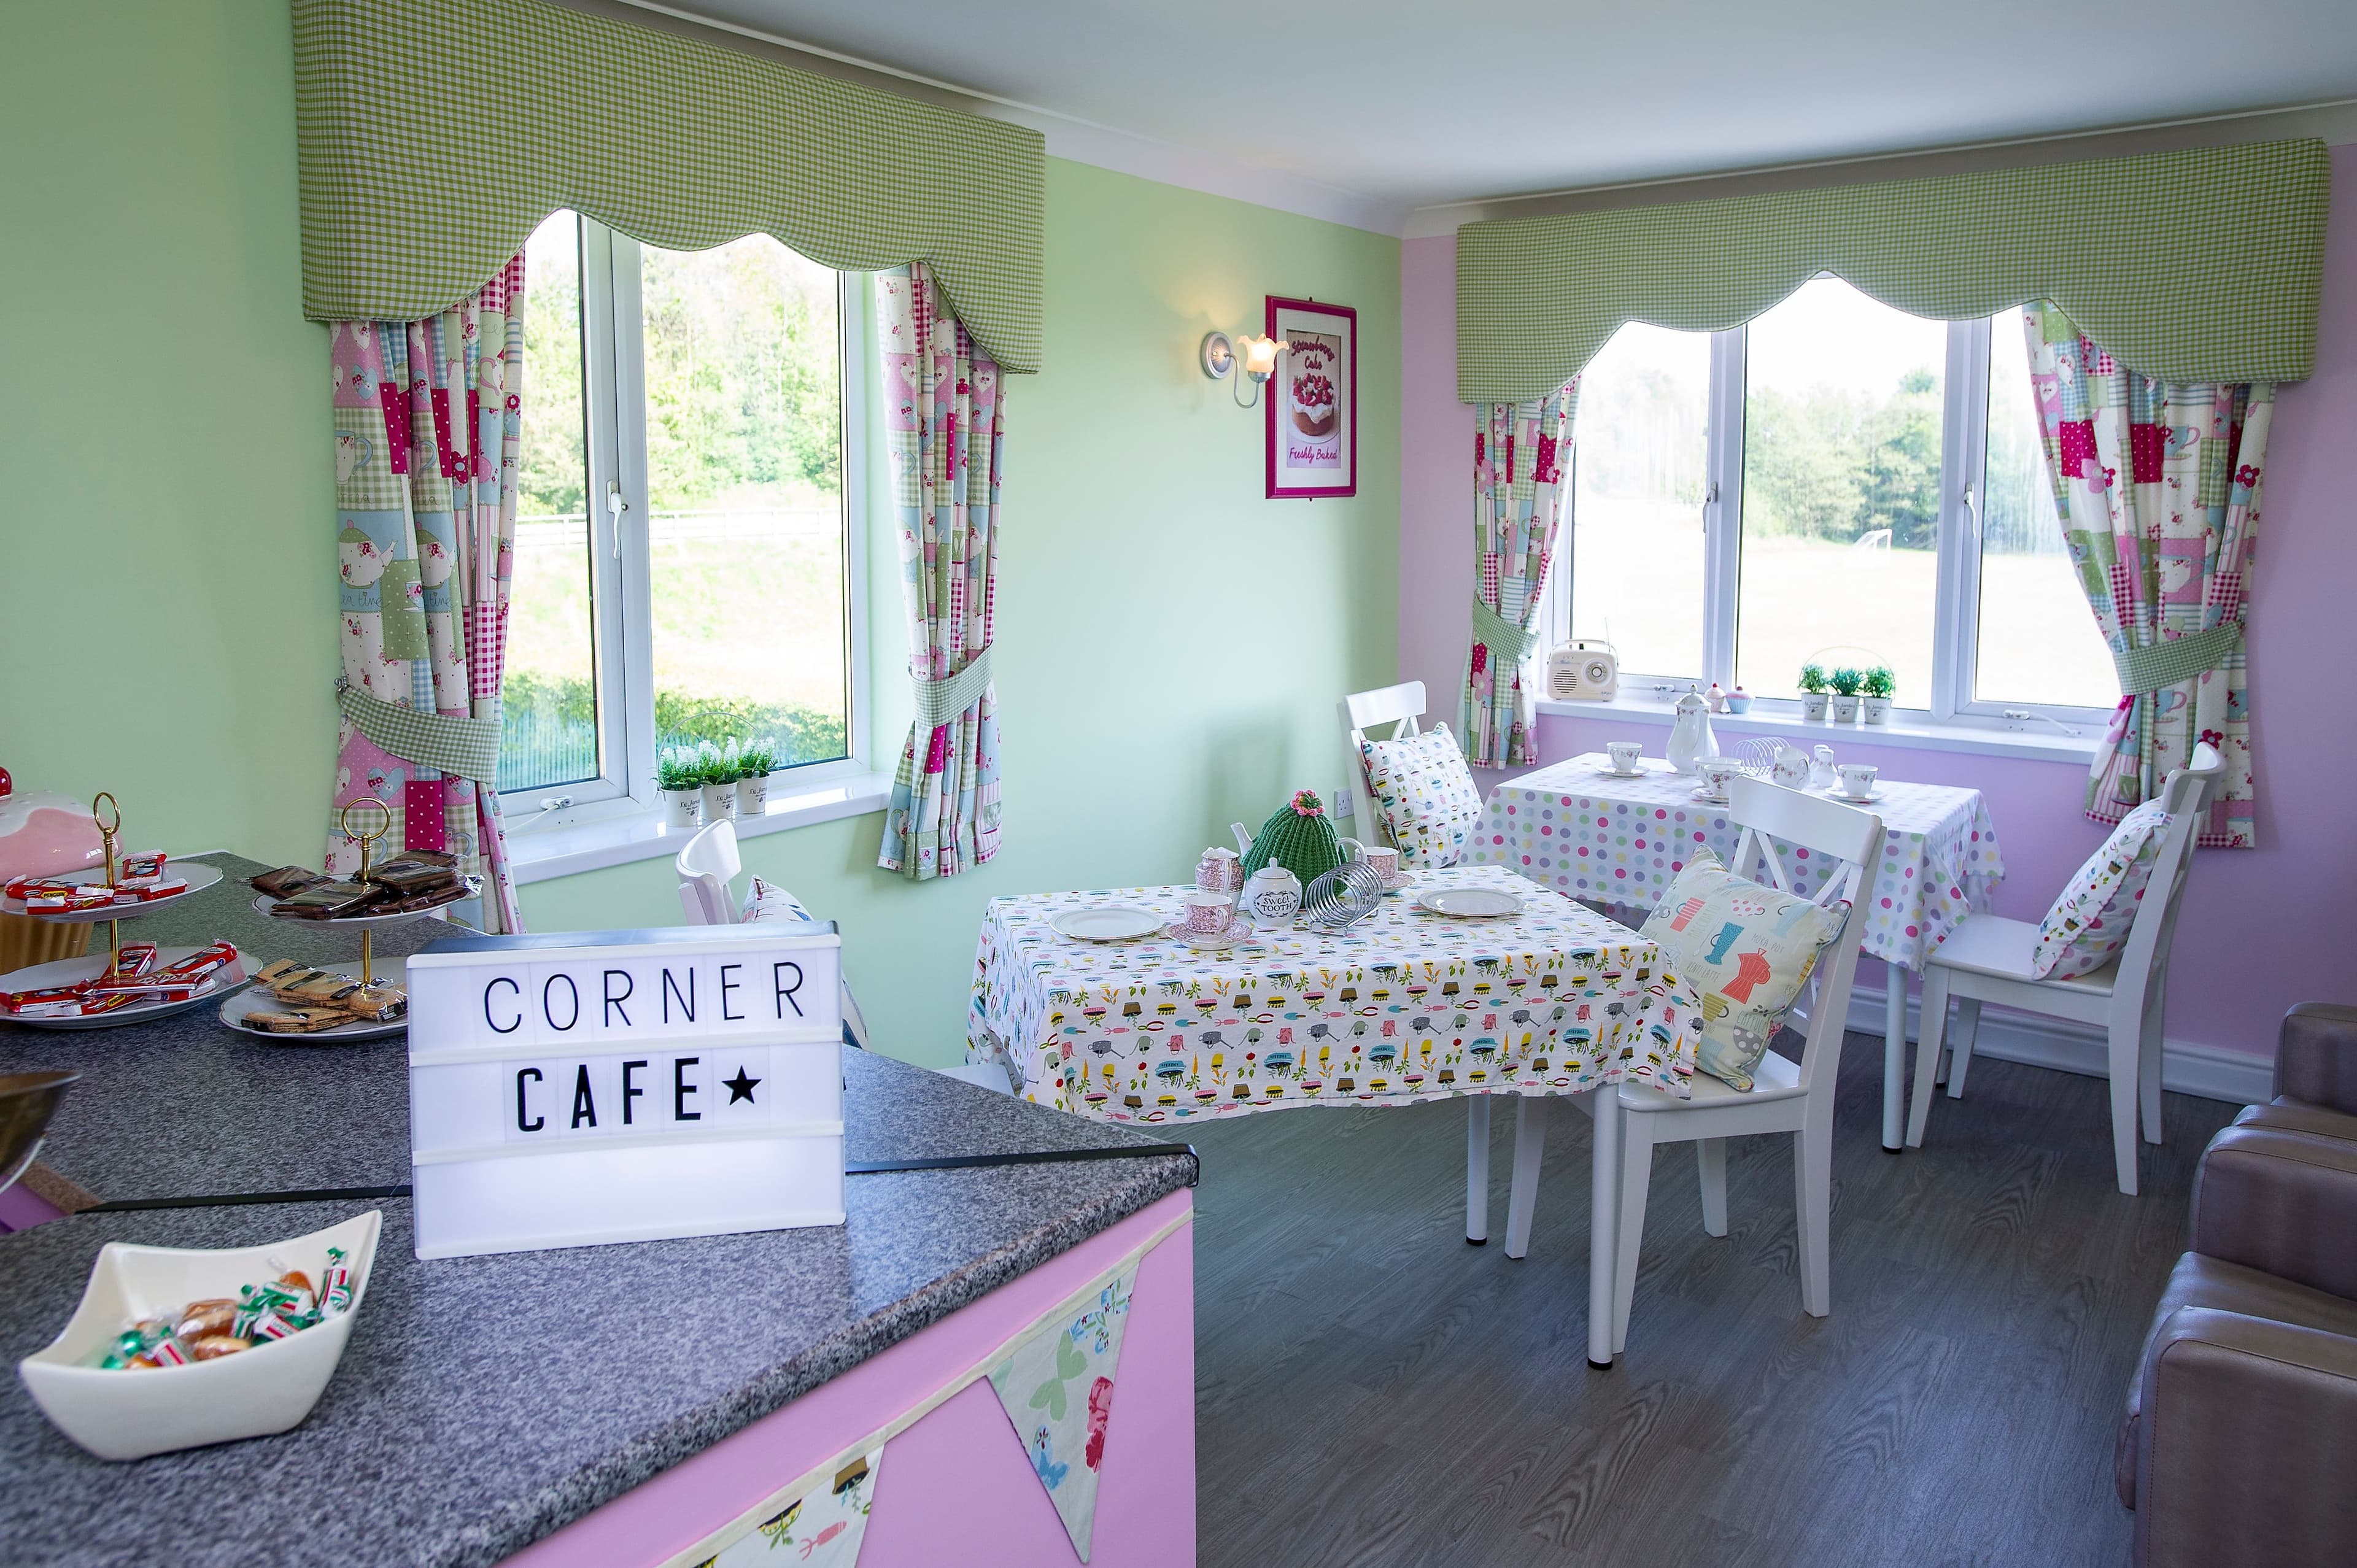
1746, 950
2090, 922
1424, 793
766, 900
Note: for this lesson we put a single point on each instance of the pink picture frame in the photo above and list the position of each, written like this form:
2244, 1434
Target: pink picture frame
1312, 419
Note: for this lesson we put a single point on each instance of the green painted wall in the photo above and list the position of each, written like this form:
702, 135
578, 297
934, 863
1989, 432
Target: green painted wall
1171, 645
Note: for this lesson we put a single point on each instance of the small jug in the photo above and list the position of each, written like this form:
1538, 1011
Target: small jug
1221, 870
1791, 767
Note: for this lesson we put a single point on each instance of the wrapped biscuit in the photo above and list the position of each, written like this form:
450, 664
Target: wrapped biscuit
287, 881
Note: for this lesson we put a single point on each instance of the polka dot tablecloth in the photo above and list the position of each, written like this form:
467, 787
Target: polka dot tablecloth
1406, 1005
1572, 827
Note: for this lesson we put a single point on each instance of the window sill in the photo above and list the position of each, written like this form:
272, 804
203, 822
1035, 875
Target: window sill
1909, 730
543, 854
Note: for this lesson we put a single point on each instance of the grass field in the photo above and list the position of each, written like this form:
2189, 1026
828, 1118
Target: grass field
749, 637
1639, 565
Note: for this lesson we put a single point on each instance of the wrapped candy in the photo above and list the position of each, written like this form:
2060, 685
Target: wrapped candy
208, 1329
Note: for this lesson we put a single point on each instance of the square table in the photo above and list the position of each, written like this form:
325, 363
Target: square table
1403, 1006
1573, 827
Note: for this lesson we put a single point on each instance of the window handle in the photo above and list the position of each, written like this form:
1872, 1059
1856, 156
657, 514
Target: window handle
614, 506
1973, 513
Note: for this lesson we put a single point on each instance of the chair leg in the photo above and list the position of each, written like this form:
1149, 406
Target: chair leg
1960, 1048
2126, 1052
1710, 1162
1529, 1145
2148, 1075
1812, 1197
1477, 1169
1636, 1175
1931, 1026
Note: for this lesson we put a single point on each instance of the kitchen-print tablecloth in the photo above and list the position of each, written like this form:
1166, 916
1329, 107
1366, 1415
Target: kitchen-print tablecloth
1406, 1005
1572, 827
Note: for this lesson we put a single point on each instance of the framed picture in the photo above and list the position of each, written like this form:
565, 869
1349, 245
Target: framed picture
1313, 400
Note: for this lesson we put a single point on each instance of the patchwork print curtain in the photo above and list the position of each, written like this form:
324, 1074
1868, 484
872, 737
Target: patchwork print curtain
427, 422
1521, 459
2157, 485
944, 408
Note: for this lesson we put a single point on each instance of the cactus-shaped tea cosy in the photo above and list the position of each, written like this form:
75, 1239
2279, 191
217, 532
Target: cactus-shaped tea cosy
1299, 837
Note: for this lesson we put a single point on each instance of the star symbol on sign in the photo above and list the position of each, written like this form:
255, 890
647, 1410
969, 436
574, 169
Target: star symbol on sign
740, 1087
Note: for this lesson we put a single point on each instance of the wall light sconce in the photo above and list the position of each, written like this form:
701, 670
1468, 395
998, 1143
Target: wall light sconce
1259, 361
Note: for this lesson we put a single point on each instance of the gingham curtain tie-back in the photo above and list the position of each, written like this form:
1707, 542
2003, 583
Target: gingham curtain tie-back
940, 702
1508, 643
468, 748
2177, 660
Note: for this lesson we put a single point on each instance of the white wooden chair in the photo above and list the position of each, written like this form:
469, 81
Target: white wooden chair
1986, 959
707, 863
1787, 1096
1402, 708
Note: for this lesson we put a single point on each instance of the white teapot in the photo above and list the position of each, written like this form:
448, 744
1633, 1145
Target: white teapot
1272, 896
1690, 736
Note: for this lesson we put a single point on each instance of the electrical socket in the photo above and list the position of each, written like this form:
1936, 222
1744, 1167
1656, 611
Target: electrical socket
1345, 800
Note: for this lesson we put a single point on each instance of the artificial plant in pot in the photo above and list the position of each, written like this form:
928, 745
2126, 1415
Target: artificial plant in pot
681, 780
1876, 689
1812, 693
717, 771
755, 761
1845, 683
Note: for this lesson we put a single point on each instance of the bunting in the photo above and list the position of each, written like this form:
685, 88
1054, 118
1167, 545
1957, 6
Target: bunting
1057, 1387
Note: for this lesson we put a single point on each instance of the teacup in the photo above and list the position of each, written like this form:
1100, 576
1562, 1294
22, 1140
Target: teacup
1382, 859
1857, 778
1207, 912
1717, 773
1624, 754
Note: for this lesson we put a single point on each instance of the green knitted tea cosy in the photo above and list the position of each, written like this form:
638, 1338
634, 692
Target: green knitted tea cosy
1299, 837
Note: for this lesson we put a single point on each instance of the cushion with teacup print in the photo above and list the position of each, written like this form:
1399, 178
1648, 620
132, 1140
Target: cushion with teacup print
1746, 948
2090, 922
765, 900
1424, 794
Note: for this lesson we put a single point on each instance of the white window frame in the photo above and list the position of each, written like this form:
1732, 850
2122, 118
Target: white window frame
1955, 649
613, 373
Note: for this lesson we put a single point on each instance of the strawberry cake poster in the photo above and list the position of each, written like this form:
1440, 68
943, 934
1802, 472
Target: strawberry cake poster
1313, 400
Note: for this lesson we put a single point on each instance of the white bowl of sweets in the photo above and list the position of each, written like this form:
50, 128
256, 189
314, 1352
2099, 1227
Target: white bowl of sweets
174, 1348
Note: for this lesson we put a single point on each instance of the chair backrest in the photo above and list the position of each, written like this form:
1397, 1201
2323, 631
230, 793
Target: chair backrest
707, 863
1771, 815
1400, 707
2184, 794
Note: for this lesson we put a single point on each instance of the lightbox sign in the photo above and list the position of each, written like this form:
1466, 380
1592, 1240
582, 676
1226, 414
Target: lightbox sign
586, 1086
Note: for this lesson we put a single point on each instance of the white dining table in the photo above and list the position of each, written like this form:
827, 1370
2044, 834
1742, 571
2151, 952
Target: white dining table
1576, 827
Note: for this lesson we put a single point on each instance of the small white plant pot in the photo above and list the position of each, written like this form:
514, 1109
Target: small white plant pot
1876, 709
753, 796
1813, 707
1845, 709
684, 809
719, 803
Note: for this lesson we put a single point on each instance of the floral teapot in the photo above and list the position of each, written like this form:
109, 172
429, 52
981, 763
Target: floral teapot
1690, 736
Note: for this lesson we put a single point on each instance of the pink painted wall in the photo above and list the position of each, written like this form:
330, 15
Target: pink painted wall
957, 1487
2258, 932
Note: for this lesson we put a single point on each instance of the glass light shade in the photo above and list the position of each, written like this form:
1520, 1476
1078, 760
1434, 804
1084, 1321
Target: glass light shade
1260, 356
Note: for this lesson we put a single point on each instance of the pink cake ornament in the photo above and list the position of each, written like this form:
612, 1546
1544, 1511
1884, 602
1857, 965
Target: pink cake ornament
45, 834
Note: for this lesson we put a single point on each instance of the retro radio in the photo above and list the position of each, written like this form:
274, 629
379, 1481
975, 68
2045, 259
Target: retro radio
1583, 669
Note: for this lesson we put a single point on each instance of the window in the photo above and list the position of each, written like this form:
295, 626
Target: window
1838, 483
683, 568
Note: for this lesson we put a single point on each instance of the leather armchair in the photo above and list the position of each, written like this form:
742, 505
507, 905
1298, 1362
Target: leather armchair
2240, 1434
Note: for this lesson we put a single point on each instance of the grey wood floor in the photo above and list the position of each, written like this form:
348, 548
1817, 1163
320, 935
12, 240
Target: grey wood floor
1371, 1390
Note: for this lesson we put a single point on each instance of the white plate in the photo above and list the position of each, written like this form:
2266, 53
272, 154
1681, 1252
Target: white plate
129, 1416
1473, 903
1869, 799
263, 901
1106, 923
89, 966
257, 999
198, 875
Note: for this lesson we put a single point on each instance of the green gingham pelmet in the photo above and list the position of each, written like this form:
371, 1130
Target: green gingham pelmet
2202, 266
420, 180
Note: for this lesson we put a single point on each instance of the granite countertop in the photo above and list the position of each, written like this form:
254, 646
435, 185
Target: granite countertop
484, 1403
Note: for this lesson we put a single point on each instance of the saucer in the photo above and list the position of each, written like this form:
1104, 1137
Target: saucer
1616, 773
1240, 929
1704, 798
1869, 797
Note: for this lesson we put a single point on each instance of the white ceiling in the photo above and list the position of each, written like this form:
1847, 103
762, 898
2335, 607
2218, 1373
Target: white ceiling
1402, 104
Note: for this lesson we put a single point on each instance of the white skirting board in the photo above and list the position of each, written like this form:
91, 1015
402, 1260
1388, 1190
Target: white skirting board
2186, 1066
